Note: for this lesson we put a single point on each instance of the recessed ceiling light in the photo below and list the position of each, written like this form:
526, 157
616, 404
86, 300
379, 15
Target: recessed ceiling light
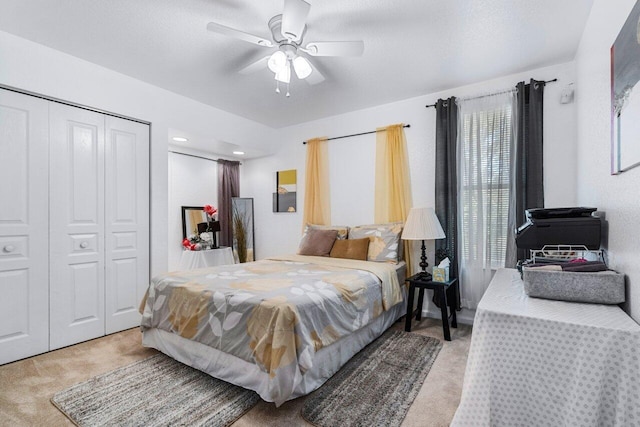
180, 139
239, 153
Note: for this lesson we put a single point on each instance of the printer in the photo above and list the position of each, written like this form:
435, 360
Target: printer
560, 226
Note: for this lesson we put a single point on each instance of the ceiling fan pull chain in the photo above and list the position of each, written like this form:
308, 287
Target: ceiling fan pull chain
277, 87
288, 94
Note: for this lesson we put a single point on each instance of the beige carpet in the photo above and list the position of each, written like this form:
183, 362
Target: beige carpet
27, 385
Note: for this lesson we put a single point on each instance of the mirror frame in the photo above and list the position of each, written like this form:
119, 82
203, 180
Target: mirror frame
252, 227
184, 218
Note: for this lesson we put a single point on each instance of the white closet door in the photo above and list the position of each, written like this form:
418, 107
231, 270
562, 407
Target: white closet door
126, 221
76, 225
24, 228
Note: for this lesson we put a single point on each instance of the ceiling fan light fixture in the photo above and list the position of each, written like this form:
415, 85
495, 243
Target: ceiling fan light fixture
277, 61
284, 74
302, 67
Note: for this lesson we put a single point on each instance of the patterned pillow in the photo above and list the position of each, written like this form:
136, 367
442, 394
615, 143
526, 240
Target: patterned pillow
384, 245
343, 230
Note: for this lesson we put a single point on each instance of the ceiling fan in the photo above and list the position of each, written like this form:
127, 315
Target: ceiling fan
288, 31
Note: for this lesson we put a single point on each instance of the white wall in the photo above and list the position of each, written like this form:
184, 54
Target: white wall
192, 182
36, 68
352, 160
618, 195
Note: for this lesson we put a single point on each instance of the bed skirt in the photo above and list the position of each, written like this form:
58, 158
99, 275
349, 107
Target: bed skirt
326, 362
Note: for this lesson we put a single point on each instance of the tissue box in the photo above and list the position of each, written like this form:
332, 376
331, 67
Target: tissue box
440, 274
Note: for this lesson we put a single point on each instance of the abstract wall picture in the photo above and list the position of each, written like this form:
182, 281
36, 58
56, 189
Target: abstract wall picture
284, 199
625, 95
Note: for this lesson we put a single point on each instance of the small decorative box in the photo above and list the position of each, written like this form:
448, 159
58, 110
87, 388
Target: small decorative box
440, 274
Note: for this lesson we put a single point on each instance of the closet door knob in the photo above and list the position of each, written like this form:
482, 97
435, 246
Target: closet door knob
84, 245
8, 248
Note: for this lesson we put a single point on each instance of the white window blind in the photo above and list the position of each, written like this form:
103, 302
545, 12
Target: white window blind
486, 149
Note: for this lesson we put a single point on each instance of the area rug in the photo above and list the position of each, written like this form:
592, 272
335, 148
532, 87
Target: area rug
157, 391
377, 386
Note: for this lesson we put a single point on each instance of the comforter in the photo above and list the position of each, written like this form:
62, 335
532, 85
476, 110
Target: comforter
274, 313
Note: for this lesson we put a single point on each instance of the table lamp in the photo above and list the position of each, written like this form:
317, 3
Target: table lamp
422, 224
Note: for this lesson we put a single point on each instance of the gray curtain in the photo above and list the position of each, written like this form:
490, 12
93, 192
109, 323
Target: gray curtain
529, 183
228, 187
447, 182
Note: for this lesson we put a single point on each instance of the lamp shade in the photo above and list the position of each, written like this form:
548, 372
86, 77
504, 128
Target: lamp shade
422, 224
302, 67
277, 61
284, 74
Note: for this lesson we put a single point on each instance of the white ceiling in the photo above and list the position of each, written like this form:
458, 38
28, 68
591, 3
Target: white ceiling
412, 47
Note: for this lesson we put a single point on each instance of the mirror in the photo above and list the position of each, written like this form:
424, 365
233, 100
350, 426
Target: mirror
191, 217
243, 233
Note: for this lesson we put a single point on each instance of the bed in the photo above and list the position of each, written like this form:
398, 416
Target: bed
280, 326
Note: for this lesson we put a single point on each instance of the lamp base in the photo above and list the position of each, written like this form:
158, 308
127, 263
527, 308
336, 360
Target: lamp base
424, 274
423, 263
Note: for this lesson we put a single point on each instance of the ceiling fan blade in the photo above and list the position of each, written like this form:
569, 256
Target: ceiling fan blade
260, 64
294, 18
355, 48
237, 34
315, 77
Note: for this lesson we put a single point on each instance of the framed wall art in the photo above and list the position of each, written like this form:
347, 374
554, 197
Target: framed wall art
625, 95
284, 199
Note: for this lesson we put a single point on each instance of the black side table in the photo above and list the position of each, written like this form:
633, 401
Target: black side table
441, 290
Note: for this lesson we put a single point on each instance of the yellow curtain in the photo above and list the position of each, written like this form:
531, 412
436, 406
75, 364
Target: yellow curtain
317, 205
393, 186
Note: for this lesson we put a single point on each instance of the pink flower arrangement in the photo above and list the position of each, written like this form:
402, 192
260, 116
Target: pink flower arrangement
210, 210
188, 245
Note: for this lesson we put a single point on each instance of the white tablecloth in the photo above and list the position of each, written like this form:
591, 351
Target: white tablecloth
536, 362
206, 258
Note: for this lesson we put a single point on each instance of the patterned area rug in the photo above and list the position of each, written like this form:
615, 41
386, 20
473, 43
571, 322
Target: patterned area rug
377, 386
157, 391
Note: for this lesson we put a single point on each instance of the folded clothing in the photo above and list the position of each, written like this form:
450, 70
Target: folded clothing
584, 266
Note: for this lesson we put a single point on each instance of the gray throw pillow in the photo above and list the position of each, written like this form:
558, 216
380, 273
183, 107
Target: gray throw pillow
317, 242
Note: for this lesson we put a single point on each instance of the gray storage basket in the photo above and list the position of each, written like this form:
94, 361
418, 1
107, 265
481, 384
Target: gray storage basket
603, 287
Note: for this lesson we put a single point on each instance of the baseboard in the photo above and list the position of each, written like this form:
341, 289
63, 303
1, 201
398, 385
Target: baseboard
464, 316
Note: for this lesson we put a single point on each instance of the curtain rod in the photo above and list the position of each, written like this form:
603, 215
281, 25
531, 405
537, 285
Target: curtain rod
355, 134
433, 105
204, 158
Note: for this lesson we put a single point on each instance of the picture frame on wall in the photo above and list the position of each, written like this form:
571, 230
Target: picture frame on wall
625, 95
284, 199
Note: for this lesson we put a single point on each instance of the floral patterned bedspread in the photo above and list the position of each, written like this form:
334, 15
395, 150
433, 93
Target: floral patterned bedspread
274, 313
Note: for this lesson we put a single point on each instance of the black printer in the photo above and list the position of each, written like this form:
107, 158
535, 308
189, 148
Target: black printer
560, 226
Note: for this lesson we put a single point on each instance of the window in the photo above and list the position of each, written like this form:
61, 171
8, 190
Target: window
486, 146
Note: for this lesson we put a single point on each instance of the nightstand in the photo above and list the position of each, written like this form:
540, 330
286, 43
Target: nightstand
445, 292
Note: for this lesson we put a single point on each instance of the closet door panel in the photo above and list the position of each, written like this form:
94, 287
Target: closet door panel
77, 225
127, 221
24, 199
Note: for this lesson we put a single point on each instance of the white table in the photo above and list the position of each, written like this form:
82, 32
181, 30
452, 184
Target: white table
206, 258
549, 363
